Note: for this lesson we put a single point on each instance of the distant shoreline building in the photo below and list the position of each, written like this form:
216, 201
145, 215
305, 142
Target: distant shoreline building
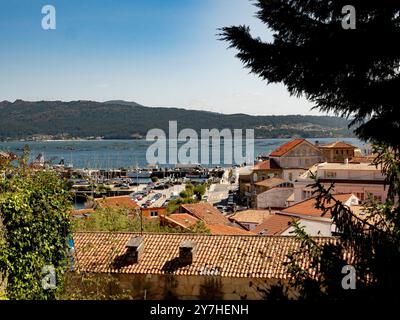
283, 178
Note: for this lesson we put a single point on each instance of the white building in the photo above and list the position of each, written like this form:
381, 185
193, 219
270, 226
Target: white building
361, 179
295, 157
314, 221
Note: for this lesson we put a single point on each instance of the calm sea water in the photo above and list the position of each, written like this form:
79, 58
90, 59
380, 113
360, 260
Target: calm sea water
107, 154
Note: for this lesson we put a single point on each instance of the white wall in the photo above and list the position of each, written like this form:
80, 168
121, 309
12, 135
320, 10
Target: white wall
292, 174
275, 198
314, 228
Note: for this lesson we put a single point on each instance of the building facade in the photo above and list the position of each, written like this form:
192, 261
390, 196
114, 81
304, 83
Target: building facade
361, 179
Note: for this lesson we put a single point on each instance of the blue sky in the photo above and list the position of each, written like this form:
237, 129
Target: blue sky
154, 52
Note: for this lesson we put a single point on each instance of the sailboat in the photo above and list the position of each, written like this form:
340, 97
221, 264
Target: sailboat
138, 173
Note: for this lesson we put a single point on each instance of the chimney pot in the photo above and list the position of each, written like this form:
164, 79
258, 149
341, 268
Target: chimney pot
187, 250
134, 247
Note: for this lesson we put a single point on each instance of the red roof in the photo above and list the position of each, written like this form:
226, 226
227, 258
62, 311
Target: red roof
286, 147
244, 256
185, 221
206, 212
363, 159
117, 202
227, 230
269, 164
82, 212
274, 224
308, 208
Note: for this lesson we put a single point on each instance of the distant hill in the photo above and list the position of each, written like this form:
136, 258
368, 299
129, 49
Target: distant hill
126, 120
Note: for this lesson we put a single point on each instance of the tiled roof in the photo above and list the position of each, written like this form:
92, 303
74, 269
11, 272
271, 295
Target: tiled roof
307, 207
219, 229
117, 202
82, 212
206, 212
250, 216
185, 221
226, 256
274, 224
269, 164
363, 159
269, 183
339, 145
286, 147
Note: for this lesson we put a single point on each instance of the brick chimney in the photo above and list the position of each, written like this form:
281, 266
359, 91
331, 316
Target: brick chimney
134, 247
187, 250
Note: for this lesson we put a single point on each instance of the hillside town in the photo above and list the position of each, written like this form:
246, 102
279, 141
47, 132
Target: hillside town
221, 233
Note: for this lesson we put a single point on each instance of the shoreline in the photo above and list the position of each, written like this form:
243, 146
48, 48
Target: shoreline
144, 139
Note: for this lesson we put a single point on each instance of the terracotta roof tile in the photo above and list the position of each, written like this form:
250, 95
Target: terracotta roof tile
206, 212
274, 224
117, 202
82, 212
185, 221
227, 230
363, 159
269, 164
226, 256
182, 219
307, 207
280, 151
250, 216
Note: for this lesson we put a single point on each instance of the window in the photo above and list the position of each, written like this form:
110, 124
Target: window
330, 174
360, 195
290, 176
307, 194
153, 213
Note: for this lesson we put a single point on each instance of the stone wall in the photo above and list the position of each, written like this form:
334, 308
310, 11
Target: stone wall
166, 287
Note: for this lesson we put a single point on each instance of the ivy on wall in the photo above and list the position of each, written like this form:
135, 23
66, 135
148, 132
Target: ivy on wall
35, 225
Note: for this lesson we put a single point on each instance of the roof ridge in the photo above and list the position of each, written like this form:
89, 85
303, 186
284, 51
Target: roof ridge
196, 234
